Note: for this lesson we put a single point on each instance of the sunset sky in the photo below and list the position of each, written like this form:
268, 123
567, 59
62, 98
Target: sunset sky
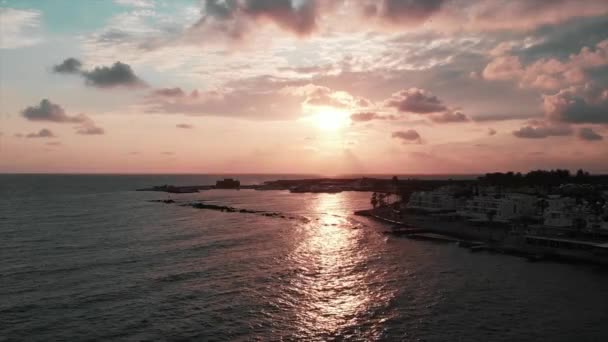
303, 86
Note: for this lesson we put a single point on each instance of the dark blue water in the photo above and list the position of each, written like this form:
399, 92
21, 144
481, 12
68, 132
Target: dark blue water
84, 258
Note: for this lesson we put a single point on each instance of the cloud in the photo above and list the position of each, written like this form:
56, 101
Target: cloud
51, 112
68, 66
169, 92
403, 13
185, 126
503, 68
408, 137
588, 105
588, 134
310, 69
90, 129
549, 73
506, 116
321, 96
449, 117
136, 3
540, 130
255, 103
415, 100
369, 116
261, 98
235, 18
491, 131
48, 111
420, 101
522, 15
299, 17
19, 28
119, 74
53, 143
43, 133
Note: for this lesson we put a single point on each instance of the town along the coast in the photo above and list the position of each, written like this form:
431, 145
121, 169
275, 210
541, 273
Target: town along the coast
540, 215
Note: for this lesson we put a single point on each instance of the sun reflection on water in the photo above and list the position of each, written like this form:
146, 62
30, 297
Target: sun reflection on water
333, 282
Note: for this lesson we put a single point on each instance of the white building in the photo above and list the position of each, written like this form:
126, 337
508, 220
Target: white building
441, 199
499, 208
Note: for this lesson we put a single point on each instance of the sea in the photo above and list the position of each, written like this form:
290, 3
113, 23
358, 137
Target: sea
87, 258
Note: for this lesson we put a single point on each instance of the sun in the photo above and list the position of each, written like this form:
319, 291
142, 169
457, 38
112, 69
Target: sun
329, 119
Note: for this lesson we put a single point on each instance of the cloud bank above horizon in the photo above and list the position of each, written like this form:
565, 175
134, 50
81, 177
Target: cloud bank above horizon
305, 86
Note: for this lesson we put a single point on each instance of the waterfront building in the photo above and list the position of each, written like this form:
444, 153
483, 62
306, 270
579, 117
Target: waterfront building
438, 200
560, 212
499, 208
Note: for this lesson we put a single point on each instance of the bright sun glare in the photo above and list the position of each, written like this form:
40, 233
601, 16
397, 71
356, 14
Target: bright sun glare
331, 119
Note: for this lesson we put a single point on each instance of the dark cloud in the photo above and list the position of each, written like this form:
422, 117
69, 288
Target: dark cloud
235, 17
185, 126
119, 74
221, 9
403, 12
449, 117
169, 92
68, 66
43, 133
542, 130
416, 100
48, 111
561, 41
90, 129
567, 106
369, 116
409, 136
296, 16
588, 134
491, 131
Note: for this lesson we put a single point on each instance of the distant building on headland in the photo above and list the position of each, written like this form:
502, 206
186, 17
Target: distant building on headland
228, 183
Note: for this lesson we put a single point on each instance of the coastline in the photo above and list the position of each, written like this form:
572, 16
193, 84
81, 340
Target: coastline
494, 238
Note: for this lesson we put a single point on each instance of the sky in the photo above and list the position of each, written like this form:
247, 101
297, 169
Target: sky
303, 86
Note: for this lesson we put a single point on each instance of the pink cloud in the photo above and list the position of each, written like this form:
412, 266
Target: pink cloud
408, 137
540, 130
415, 100
369, 116
548, 73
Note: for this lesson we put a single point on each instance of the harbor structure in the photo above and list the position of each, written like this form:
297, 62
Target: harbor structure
228, 183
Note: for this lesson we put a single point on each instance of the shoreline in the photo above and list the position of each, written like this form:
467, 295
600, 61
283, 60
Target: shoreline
478, 237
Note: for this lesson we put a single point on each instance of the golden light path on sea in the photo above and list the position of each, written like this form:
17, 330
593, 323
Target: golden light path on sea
335, 290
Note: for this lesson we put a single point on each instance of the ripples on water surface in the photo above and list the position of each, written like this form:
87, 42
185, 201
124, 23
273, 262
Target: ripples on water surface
84, 258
